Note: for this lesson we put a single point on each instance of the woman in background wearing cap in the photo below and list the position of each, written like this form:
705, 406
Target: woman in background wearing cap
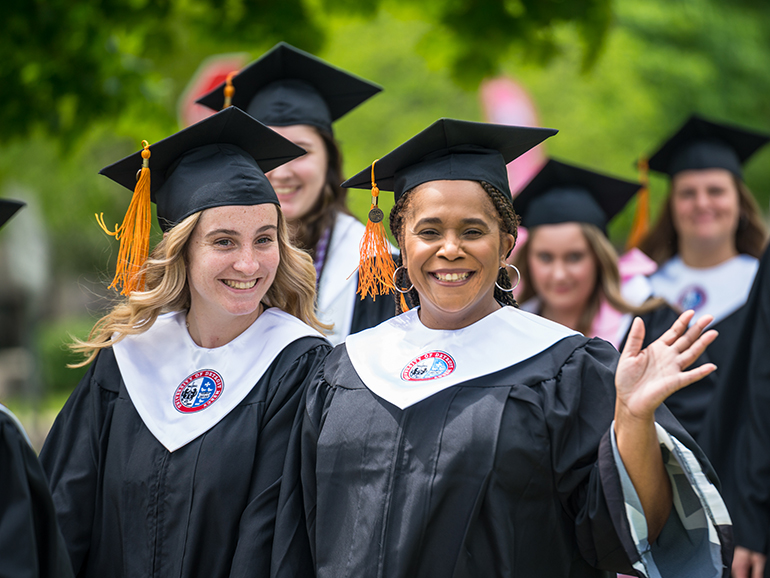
299, 96
466, 437
569, 268
710, 233
167, 458
31, 544
571, 275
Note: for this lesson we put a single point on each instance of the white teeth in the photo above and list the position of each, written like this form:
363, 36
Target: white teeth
284, 190
240, 285
451, 276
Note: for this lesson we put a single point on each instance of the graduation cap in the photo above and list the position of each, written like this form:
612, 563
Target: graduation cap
219, 161
449, 149
564, 193
288, 86
8, 209
704, 144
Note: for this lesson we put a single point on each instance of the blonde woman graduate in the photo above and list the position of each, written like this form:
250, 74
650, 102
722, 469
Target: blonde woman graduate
465, 437
167, 459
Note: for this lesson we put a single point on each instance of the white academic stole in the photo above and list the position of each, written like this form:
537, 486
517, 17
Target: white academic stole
182, 390
404, 362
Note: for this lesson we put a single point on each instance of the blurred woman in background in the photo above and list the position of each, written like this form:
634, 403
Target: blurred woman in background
569, 269
31, 544
300, 96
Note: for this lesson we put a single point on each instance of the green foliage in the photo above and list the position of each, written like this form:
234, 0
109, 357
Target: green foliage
54, 355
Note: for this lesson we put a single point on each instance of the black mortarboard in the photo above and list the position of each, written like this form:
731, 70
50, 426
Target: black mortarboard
564, 193
456, 150
288, 86
703, 144
8, 209
219, 161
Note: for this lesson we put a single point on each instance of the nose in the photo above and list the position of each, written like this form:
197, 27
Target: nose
247, 261
559, 270
451, 248
282, 172
701, 198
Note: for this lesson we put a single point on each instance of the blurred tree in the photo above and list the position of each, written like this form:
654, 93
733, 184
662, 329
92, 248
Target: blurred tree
65, 64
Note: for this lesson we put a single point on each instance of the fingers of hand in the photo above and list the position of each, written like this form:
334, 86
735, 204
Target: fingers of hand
635, 338
678, 328
693, 375
693, 351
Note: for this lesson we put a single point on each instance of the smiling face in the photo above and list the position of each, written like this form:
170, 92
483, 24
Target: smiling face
299, 183
232, 258
452, 247
562, 268
705, 208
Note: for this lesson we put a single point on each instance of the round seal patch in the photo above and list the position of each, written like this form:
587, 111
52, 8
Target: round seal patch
692, 297
198, 391
432, 365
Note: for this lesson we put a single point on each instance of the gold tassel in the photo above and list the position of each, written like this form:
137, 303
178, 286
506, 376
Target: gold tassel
376, 267
640, 225
134, 233
229, 89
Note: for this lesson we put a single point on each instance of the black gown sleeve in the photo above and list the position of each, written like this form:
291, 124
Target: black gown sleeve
752, 508
70, 455
31, 545
578, 409
254, 553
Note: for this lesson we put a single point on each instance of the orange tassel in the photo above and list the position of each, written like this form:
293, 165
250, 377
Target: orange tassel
376, 267
404, 306
134, 233
229, 89
641, 224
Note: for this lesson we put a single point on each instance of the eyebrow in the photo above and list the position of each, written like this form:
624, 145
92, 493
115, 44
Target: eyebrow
438, 221
234, 233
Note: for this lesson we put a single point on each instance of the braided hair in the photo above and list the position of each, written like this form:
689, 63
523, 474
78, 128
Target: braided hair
506, 218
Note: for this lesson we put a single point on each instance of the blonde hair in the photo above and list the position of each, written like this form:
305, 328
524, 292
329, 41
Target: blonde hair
293, 289
607, 283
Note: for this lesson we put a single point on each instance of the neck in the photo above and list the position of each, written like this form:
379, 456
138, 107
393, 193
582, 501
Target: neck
701, 255
437, 319
212, 334
567, 317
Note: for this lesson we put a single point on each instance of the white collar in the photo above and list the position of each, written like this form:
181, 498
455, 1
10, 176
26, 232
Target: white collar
182, 390
339, 281
404, 362
718, 290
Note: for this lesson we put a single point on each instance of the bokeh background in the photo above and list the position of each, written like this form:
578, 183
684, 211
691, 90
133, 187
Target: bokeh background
83, 82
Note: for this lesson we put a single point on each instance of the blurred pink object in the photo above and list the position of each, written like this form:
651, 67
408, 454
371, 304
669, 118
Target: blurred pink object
505, 102
607, 323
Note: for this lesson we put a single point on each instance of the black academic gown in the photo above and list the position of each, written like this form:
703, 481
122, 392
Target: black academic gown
370, 312
510, 474
737, 431
130, 508
31, 545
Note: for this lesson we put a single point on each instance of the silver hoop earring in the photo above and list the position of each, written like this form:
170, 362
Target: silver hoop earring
518, 279
395, 283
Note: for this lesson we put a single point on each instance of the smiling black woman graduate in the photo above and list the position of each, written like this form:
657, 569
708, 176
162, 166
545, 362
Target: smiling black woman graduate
31, 544
300, 96
466, 437
167, 458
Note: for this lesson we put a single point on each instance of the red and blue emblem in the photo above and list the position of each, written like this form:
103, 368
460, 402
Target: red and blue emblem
693, 297
432, 365
198, 391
